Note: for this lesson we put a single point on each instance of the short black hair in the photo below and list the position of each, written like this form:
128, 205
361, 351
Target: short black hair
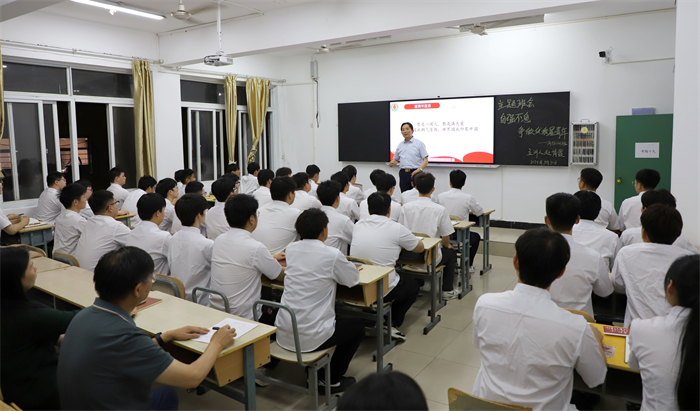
85, 183
148, 204
591, 177
281, 187
233, 167
542, 255
375, 174
239, 209
119, 271
562, 210
590, 204
189, 206
100, 200
409, 124
231, 176
222, 189
264, 176
378, 203
114, 173
53, 177
384, 391
194, 187
300, 179
185, 174
424, 183
177, 175
252, 167
147, 182
283, 172
70, 193
165, 185
648, 178
311, 224
350, 170
661, 196
663, 224
312, 170
341, 177
385, 182
328, 192
458, 178
413, 179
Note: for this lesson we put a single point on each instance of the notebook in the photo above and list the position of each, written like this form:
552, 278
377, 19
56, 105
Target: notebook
242, 328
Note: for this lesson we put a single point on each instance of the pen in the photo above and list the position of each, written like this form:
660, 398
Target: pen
214, 328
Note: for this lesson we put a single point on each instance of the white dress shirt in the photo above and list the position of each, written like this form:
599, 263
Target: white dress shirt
151, 239
249, 184
237, 262
585, 272
427, 217
69, 226
413, 195
314, 187
87, 212
380, 240
631, 212
355, 193
607, 218
216, 221
529, 349
276, 226
189, 257
348, 207
101, 235
460, 204
340, 229
263, 196
120, 194
167, 224
598, 238
4, 221
130, 206
313, 270
654, 345
177, 226
634, 236
304, 201
639, 272
180, 190
395, 210
49, 207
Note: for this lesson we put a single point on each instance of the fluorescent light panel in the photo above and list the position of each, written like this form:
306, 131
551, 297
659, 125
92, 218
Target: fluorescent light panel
108, 5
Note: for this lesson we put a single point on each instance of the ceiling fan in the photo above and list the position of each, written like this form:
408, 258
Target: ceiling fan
183, 15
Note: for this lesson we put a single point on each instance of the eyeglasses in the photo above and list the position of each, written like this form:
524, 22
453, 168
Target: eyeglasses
114, 203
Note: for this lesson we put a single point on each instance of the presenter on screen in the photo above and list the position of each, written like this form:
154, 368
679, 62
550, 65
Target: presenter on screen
411, 154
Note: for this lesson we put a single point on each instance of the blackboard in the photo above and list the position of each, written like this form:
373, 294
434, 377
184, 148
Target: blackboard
532, 129
363, 131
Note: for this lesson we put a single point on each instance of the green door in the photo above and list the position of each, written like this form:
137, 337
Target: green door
656, 128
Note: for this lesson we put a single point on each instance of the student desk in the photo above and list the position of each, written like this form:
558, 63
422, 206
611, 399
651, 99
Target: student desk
429, 261
43, 264
462, 230
126, 219
37, 236
484, 221
251, 351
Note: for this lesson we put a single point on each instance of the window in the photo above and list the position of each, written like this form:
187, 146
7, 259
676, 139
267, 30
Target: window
99, 83
197, 92
35, 79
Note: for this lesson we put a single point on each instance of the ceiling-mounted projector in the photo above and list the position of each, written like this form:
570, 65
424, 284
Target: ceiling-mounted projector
218, 60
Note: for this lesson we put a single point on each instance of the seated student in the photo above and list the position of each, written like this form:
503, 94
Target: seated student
262, 194
586, 270
348, 206
302, 199
117, 178
529, 346
29, 334
340, 227
461, 204
106, 362
590, 180
147, 236
147, 184
391, 390
193, 187
222, 189
70, 224
283, 172
275, 227
314, 173
386, 183
379, 239
238, 261
649, 198
374, 178
189, 254
167, 188
183, 177
233, 168
631, 208
11, 224
592, 235
313, 272
49, 207
639, 269
87, 211
355, 192
102, 232
424, 216
413, 194
249, 183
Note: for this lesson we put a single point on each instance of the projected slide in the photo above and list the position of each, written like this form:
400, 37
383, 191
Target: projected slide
456, 130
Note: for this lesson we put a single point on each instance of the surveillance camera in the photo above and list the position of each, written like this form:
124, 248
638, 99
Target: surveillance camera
603, 54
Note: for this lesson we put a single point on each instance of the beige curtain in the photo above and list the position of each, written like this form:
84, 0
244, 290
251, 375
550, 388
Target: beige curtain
2, 104
231, 115
144, 119
258, 93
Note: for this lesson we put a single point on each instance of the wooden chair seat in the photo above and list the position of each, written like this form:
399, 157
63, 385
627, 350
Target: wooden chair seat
421, 270
290, 356
461, 401
589, 318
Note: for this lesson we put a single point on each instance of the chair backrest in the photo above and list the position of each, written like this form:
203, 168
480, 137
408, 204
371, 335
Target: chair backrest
297, 344
205, 290
37, 249
461, 401
455, 218
421, 235
584, 314
359, 260
66, 258
169, 285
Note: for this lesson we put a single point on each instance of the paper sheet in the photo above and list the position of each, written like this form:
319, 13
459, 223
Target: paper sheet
241, 327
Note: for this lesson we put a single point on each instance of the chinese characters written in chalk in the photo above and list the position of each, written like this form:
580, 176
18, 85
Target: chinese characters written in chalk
557, 152
554, 143
516, 103
510, 118
552, 131
544, 162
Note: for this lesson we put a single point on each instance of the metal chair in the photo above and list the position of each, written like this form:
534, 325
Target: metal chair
461, 401
169, 285
227, 306
66, 259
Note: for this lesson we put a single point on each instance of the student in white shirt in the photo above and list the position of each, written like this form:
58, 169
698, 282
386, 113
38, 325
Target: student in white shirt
631, 208
639, 269
586, 270
249, 183
87, 211
386, 183
314, 174
354, 191
374, 178
167, 188
262, 194
276, 220
222, 189
233, 168
413, 194
665, 348
147, 184
102, 232
193, 187
589, 180
183, 177
348, 206
49, 207
460, 204
302, 199
380, 240
340, 228
189, 254
238, 261
70, 224
649, 198
117, 178
283, 172
588, 233
147, 236
313, 272
11, 224
530, 347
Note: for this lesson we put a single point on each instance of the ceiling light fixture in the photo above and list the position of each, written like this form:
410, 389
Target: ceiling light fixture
114, 6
